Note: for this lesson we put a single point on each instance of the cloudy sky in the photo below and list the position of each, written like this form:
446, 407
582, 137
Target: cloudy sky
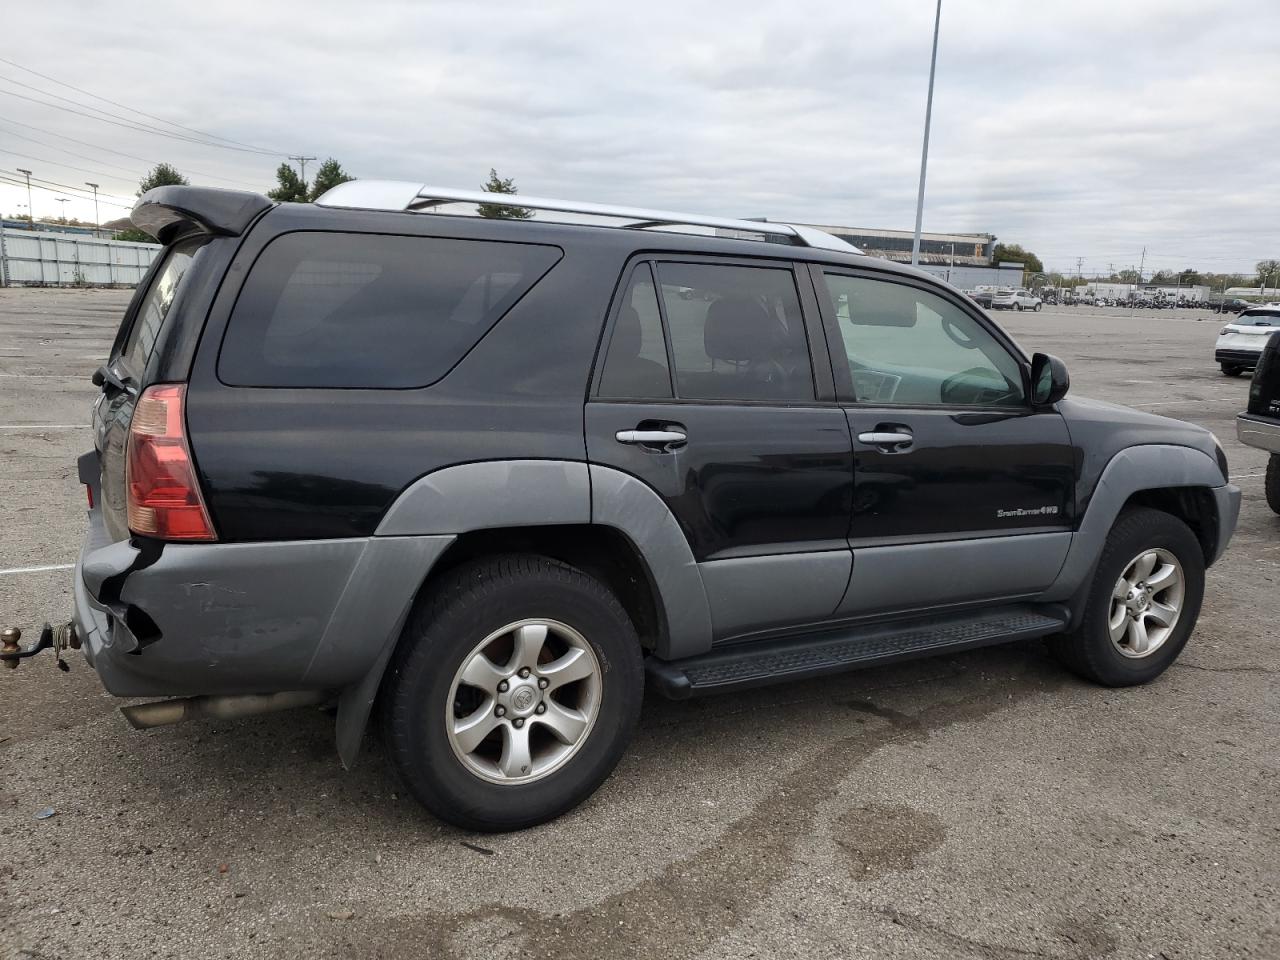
1083, 129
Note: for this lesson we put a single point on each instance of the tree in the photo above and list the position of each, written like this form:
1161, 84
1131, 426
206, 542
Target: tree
292, 189
134, 235
1127, 276
1013, 253
162, 175
1268, 272
1189, 277
500, 211
328, 176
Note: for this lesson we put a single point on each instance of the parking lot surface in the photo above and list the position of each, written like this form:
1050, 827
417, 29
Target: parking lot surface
984, 805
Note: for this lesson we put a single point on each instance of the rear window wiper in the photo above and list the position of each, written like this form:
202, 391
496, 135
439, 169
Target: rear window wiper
104, 374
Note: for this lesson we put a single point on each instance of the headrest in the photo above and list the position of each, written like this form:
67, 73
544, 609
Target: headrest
627, 335
739, 328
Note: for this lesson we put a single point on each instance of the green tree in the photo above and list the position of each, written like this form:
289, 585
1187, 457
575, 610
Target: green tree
1189, 277
292, 188
328, 176
1268, 273
1127, 276
134, 235
162, 175
500, 211
1013, 253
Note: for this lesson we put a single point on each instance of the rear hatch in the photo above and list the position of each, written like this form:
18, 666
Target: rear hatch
153, 312
1264, 391
1250, 331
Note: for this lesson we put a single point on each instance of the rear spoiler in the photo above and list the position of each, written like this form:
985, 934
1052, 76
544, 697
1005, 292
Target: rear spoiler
165, 212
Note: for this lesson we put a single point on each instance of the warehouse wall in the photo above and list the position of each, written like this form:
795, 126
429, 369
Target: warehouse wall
37, 258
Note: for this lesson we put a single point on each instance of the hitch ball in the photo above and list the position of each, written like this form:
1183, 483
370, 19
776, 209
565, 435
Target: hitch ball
9, 638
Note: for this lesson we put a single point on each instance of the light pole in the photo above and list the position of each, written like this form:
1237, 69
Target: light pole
31, 211
97, 221
63, 215
924, 151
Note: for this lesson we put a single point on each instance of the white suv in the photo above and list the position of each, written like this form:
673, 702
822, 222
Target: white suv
1016, 300
1241, 341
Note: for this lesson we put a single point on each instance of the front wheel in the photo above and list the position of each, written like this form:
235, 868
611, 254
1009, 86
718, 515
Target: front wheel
513, 693
1142, 603
1038, 306
1273, 482
1017, 307
1230, 370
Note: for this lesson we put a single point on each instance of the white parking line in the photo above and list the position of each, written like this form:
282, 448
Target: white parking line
53, 566
45, 426
1248, 476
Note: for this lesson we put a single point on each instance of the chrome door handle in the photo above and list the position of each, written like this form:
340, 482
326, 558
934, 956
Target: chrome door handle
877, 438
666, 438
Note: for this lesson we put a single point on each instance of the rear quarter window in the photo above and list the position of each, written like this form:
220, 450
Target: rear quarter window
369, 310
154, 307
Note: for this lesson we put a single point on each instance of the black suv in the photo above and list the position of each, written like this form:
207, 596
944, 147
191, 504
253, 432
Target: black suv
1259, 426
486, 475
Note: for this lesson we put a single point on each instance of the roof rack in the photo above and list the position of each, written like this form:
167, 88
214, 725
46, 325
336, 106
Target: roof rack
414, 197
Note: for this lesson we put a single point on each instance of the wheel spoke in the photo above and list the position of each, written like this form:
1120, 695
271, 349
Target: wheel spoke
529, 641
1144, 565
566, 723
576, 664
515, 760
481, 672
1162, 613
1163, 578
1121, 590
469, 731
1139, 639
1119, 622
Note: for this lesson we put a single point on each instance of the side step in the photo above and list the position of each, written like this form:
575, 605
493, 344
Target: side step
849, 648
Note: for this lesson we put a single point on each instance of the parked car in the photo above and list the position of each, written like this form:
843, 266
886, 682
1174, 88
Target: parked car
1259, 425
493, 476
1241, 341
981, 297
1016, 300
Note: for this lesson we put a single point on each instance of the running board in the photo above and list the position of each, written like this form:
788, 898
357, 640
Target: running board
849, 648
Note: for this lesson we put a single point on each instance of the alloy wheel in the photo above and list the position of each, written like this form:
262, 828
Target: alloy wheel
1146, 603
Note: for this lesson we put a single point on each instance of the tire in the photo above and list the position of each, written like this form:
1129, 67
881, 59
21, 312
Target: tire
1017, 306
1038, 306
1231, 370
1089, 650
1272, 483
424, 693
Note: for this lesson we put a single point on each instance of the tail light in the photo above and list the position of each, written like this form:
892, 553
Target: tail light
164, 496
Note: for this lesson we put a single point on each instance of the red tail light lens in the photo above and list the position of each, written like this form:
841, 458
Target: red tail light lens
164, 496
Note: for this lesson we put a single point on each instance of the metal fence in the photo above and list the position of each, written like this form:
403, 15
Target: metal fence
37, 258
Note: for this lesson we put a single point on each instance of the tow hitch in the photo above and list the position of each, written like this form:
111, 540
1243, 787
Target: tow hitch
57, 639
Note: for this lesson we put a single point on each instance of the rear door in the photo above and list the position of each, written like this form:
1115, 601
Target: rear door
745, 443
125, 374
963, 491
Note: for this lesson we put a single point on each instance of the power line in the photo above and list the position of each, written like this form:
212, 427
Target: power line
131, 125
12, 181
56, 163
94, 146
143, 113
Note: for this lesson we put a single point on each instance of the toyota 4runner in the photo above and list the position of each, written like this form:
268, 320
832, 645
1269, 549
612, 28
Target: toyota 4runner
493, 476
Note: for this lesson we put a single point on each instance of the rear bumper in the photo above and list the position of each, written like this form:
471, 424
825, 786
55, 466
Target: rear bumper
1235, 355
1259, 432
191, 619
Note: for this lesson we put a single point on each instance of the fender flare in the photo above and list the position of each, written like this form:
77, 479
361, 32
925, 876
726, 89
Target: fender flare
1134, 469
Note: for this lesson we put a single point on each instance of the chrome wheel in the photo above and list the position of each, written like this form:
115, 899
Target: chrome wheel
1146, 603
524, 701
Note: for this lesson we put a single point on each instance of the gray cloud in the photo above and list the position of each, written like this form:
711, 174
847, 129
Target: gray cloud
1090, 129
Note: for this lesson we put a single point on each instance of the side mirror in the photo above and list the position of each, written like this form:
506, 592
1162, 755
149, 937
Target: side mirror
1049, 380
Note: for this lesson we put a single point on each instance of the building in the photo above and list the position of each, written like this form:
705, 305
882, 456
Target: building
940, 249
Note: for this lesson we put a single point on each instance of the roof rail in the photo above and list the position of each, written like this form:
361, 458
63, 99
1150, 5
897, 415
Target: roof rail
413, 197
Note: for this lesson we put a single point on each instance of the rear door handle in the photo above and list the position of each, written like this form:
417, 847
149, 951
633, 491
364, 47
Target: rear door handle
890, 440
653, 438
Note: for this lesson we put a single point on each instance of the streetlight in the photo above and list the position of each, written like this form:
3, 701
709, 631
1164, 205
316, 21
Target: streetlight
97, 221
924, 151
31, 211
63, 215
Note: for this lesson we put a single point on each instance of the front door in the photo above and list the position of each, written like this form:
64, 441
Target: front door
750, 454
963, 491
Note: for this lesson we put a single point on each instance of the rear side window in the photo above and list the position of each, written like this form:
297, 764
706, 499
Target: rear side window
154, 308
637, 361
371, 311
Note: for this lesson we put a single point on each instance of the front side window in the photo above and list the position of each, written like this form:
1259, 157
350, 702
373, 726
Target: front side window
910, 347
737, 333
371, 311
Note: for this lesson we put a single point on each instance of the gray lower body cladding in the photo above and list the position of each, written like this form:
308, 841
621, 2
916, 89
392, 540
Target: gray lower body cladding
245, 617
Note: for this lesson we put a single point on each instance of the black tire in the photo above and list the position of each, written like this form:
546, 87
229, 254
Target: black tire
1017, 306
1272, 483
1038, 306
445, 626
1231, 370
1088, 650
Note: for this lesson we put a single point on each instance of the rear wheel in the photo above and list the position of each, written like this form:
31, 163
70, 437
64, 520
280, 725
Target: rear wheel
1273, 482
1231, 370
513, 693
1017, 306
1142, 603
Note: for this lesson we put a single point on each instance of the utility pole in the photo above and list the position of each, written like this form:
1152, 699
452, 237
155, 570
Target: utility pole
31, 211
97, 221
924, 151
1142, 263
302, 165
